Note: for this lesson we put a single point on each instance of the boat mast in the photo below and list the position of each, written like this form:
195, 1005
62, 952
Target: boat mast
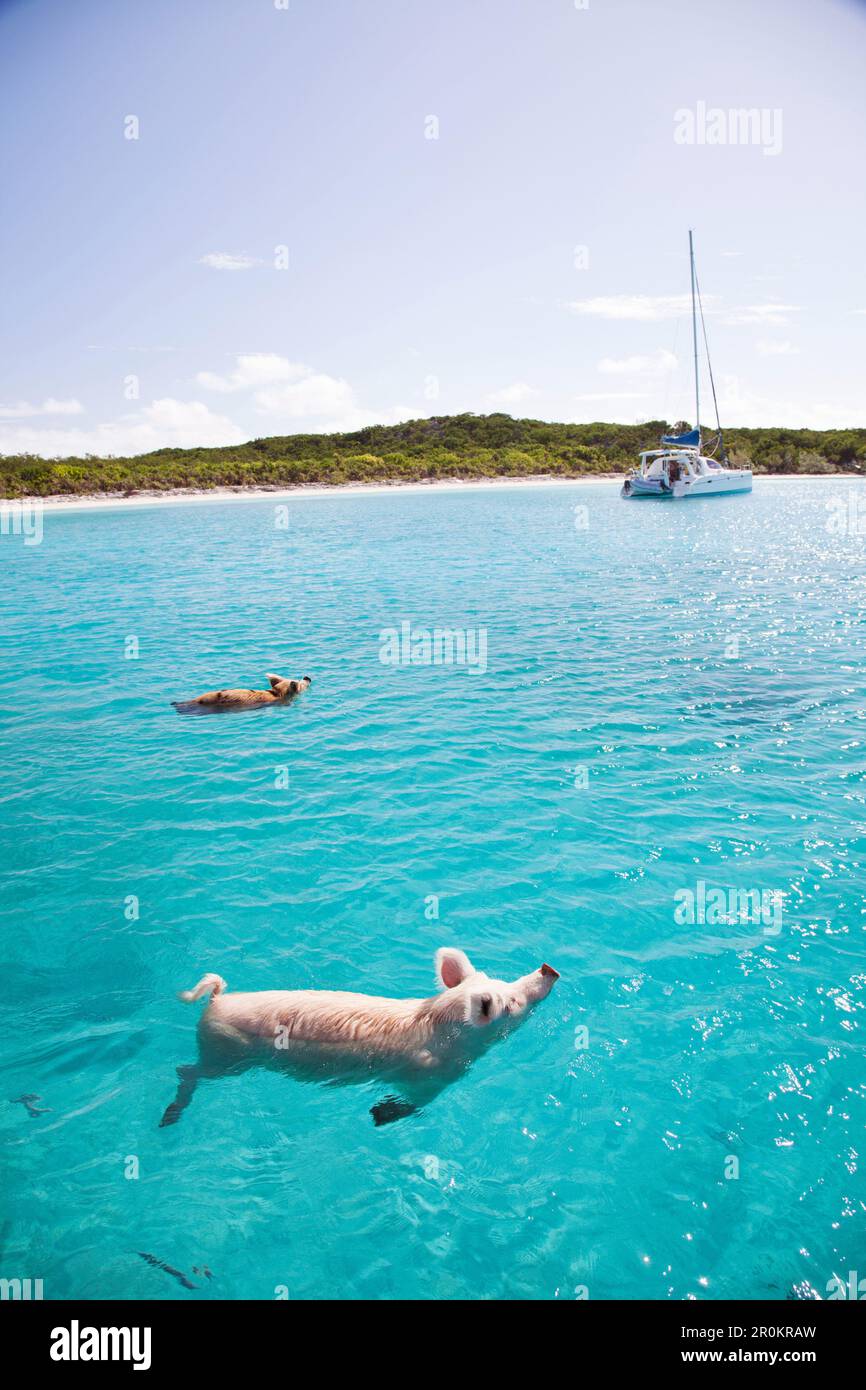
695, 340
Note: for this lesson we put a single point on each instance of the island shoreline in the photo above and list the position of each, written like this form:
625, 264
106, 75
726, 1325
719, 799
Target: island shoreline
160, 496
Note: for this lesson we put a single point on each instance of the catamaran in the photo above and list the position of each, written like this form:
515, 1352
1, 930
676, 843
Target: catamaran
683, 467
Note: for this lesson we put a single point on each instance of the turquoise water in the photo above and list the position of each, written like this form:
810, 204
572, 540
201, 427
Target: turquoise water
551, 1166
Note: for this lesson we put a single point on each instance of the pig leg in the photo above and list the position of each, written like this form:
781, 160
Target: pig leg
418, 1089
188, 1078
391, 1109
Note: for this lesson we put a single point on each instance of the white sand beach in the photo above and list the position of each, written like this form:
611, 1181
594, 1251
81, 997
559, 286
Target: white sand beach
157, 497
160, 497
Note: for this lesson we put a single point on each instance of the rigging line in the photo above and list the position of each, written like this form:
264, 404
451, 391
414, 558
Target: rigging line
707, 351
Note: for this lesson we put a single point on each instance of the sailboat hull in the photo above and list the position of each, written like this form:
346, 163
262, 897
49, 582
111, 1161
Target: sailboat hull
735, 480
637, 487
704, 485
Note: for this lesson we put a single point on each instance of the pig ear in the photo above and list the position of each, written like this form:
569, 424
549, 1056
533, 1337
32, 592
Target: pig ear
453, 966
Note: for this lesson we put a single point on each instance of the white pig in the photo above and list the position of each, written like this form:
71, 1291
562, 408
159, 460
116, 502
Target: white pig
420, 1044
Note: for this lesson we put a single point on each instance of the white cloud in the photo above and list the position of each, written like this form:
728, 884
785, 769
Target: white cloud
515, 394
732, 253
643, 307
252, 370
770, 347
614, 396
164, 424
359, 417
312, 394
619, 407
23, 409
227, 260
740, 406
767, 315
290, 392
281, 387
654, 364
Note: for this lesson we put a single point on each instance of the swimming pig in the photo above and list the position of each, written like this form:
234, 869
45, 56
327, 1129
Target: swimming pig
281, 691
419, 1044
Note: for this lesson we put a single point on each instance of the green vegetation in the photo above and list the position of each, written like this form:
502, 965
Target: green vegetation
455, 446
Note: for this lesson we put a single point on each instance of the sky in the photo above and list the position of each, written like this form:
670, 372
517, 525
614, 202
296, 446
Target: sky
240, 218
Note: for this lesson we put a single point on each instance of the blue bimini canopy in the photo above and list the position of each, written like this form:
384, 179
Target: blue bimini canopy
691, 440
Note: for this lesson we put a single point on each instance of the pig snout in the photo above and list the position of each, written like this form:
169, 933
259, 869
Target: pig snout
539, 984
